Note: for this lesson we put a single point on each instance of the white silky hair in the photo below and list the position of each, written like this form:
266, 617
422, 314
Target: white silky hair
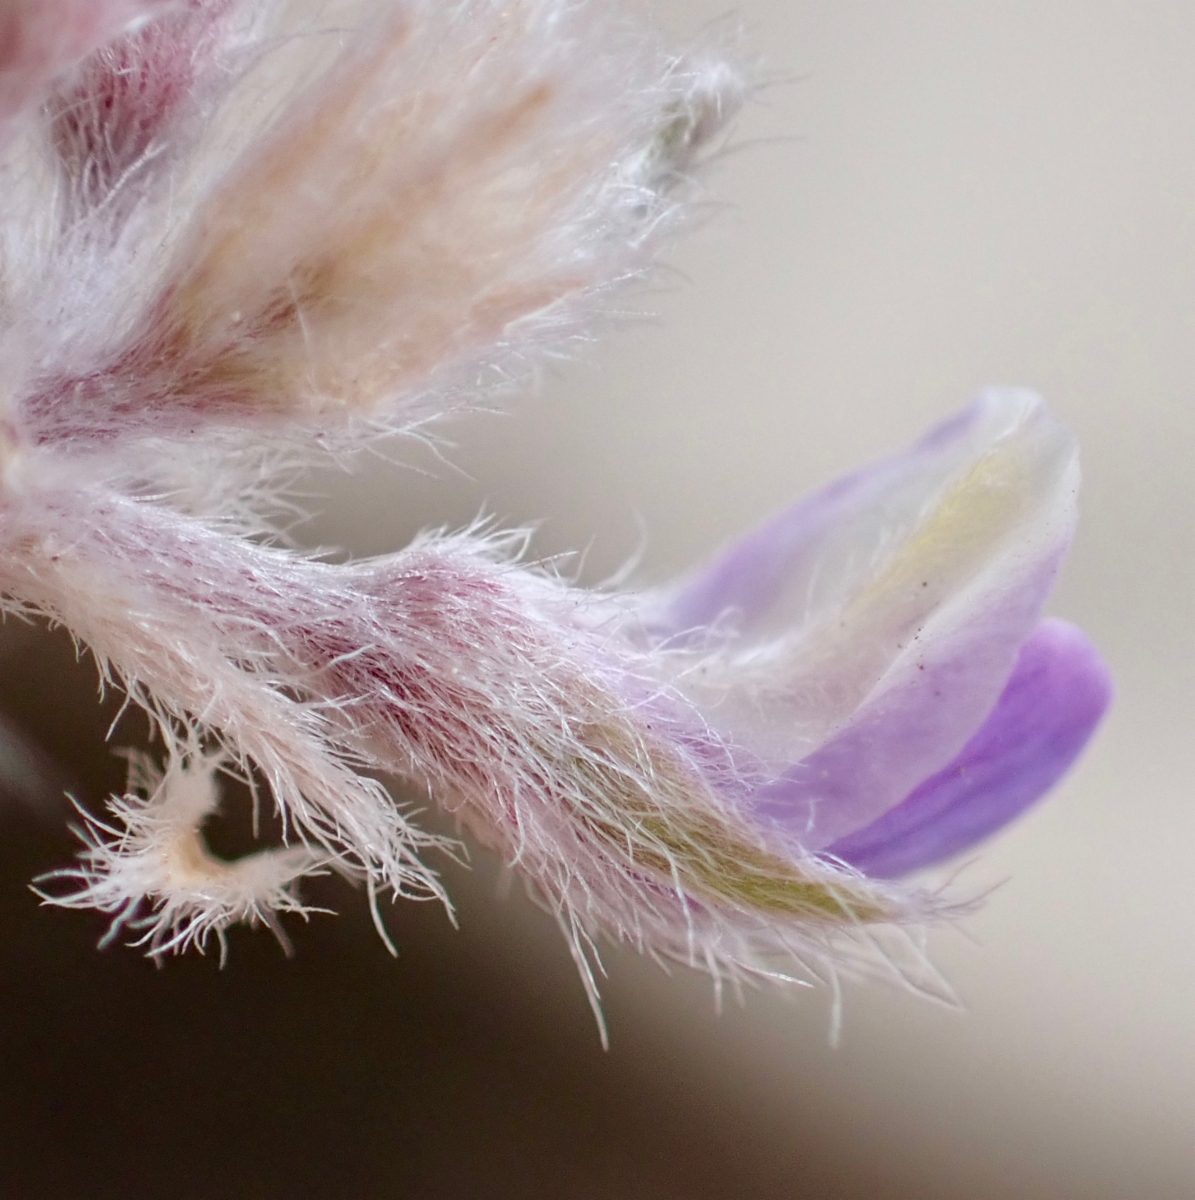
351, 218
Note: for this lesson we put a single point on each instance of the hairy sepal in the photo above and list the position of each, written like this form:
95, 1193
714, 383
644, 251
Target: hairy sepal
521, 704
353, 238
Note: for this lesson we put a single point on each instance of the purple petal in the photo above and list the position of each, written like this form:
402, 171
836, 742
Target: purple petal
1043, 719
877, 623
806, 559
935, 695
857, 707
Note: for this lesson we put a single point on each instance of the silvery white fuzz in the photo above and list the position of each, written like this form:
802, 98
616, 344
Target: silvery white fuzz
240, 234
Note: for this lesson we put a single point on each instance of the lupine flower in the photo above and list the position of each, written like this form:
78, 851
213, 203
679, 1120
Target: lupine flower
241, 234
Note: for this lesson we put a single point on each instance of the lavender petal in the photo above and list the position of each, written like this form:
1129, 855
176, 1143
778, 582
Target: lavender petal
857, 708
802, 562
1056, 696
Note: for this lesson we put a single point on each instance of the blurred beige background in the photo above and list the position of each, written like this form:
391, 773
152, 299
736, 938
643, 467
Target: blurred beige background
935, 196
